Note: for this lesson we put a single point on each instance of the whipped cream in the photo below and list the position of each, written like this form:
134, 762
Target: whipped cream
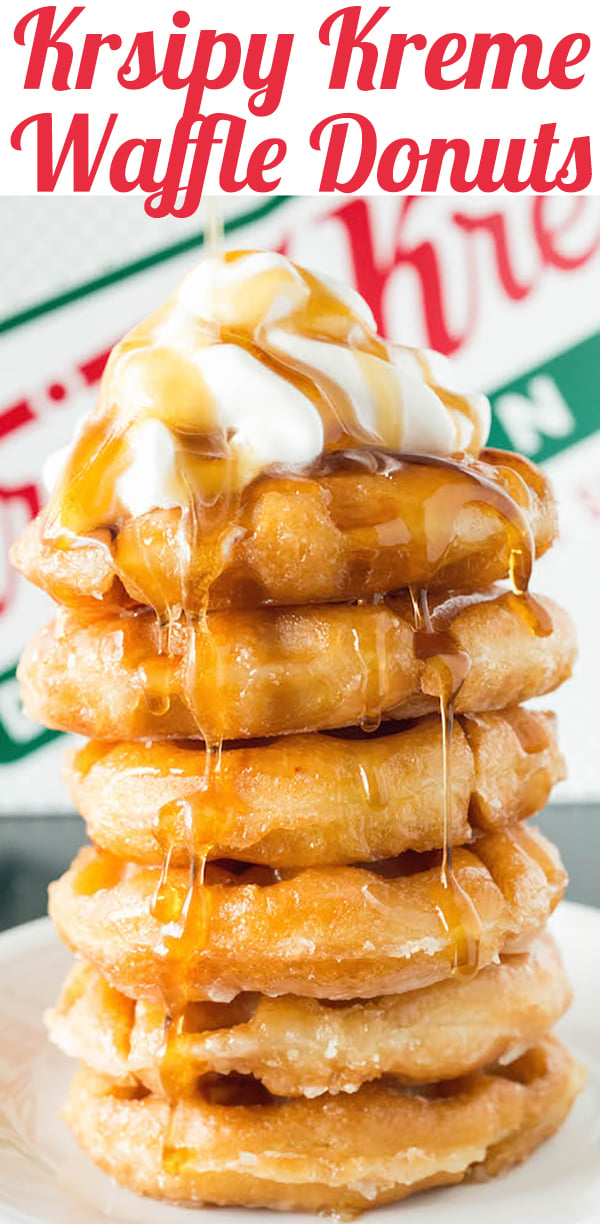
273, 365
151, 479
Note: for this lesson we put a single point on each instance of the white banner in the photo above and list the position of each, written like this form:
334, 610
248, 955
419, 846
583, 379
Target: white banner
267, 98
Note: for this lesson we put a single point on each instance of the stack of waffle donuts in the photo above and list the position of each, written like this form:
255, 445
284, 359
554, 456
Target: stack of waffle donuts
313, 970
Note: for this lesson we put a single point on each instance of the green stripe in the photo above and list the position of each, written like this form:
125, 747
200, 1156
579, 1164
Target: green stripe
11, 749
136, 266
574, 378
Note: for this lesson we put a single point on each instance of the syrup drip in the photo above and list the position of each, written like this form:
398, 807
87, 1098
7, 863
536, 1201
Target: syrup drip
184, 924
370, 647
376, 789
457, 913
207, 813
155, 675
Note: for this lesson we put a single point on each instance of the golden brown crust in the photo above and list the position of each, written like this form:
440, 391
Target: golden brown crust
317, 799
517, 763
339, 1153
332, 538
304, 1047
237, 675
335, 932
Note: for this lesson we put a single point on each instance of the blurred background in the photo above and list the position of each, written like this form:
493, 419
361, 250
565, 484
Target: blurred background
508, 288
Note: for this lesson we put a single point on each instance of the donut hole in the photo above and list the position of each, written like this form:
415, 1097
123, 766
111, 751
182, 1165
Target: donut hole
403, 865
233, 1090
531, 1065
340, 1004
196, 746
208, 1016
382, 731
232, 872
438, 1091
130, 1092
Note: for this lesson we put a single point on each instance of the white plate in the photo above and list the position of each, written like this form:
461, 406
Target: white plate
44, 1176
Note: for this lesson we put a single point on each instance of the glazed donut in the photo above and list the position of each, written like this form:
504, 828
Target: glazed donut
322, 538
304, 1047
237, 675
362, 932
318, 799
234, 1144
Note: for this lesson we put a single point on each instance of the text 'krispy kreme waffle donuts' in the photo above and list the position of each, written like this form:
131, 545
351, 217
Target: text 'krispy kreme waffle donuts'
295, 621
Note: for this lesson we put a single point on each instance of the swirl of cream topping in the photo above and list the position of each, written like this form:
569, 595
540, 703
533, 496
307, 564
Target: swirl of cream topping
254, 364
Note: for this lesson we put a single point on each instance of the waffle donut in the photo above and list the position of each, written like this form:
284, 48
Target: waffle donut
363, 932
245, 674
341, 1153
307, 800
304, 1047
323, 537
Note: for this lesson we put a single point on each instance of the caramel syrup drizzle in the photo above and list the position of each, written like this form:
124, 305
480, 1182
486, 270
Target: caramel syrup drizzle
457, 913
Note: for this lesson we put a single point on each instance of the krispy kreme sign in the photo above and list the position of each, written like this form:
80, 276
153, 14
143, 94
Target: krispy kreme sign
508, 289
